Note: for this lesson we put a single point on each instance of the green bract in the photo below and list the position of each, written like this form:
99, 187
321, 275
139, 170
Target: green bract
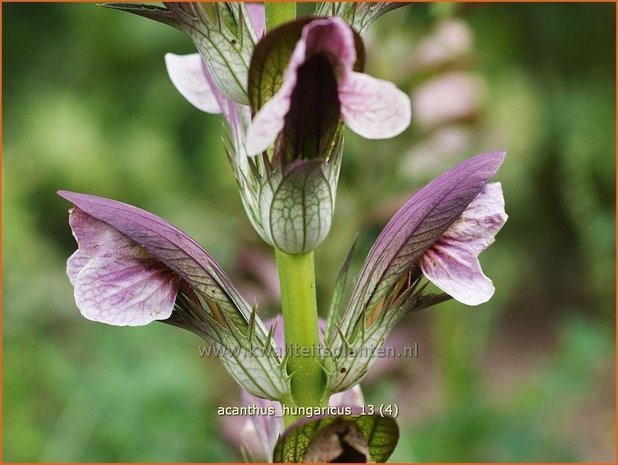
360, 15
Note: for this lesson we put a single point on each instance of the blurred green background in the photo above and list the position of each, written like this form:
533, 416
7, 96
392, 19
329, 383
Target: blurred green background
529, 376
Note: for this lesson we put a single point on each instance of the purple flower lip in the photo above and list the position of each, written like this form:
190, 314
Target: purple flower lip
452, 262
116, 281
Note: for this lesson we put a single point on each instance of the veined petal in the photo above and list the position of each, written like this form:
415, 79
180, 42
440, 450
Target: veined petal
417, 226
257, 17
116, 281
373, 108
126, 291
268, 122
452, 262
95, 239
188, 73
330, 37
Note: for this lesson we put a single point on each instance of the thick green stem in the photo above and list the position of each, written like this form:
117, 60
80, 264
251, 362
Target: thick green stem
300, 324
278, 13
298, 301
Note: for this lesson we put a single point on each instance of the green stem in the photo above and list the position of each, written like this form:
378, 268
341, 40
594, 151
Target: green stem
298, 301
300, 324
278, 13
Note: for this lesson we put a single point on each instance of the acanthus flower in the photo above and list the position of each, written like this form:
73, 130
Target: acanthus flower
438, 233
320, 84
132, 268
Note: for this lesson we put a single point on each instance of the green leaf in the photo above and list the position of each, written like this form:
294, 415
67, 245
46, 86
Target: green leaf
312, 125
360, 15
351, 439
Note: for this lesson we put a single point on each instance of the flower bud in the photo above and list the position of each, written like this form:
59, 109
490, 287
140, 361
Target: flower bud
297, 207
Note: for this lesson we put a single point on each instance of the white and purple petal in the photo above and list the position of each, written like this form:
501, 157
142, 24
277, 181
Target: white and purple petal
416, 227
373, 108
189, 75
126, 291
116, 281
257, 16
95, 239
452, 262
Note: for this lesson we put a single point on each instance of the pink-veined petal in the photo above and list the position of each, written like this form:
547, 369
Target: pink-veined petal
268, 122
188, 74
373, 108
417, 226
257, 17
452, 262
125, 291
117, 281
95, 239
332, 37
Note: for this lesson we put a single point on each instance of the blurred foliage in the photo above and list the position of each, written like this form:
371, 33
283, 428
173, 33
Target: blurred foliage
529, 376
